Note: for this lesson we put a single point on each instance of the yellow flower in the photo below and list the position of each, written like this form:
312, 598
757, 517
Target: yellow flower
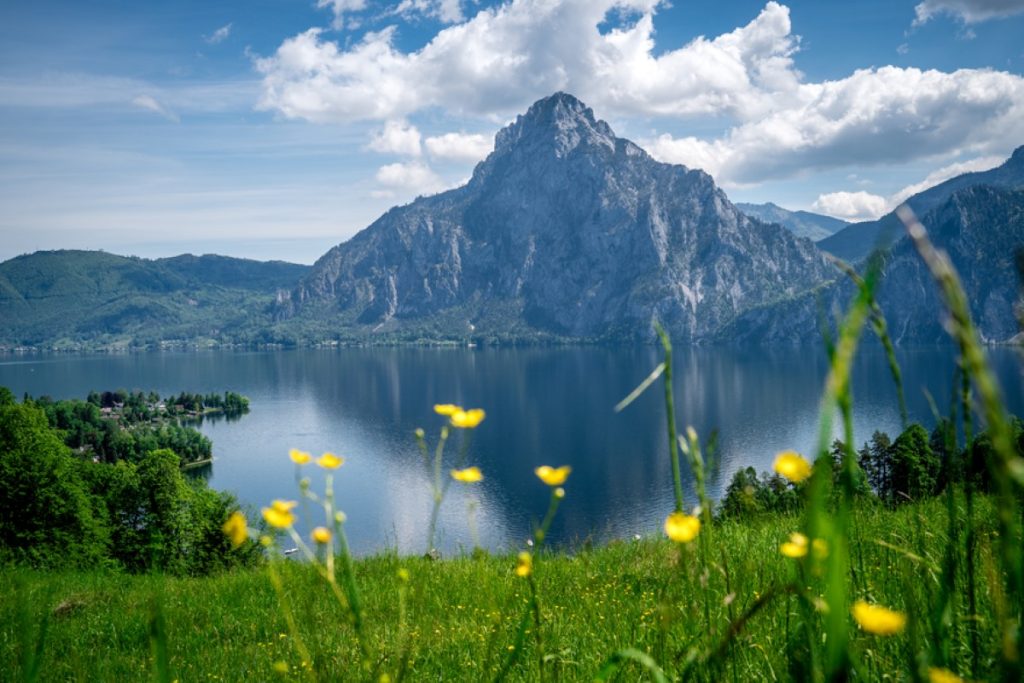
330, 461
524, 564
468, 475
820, 548
795, 547
299, 457
792, 466
553, 476
279, 514
281, 667
877, 619
681, 527
236, 529
467, 419
446, 409
937, 675
321, 534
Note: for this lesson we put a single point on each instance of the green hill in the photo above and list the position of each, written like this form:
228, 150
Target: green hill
84, 299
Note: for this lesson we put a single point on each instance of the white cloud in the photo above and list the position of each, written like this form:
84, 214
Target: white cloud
875, 116
776, 124
150, 103
851, 206
448, 11
219, 35
460, 146
397, 137
504, 58
865, 206
340, 8
943, 174
413, 177
969, 11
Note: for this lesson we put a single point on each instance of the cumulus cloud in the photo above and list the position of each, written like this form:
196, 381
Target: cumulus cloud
943, 174
413, 177
341, 8
448, 11
397, 137
505, 57
460, 146
851, 206
218, 36
149, 102
776, 124
875, 116
859, 206
969, 11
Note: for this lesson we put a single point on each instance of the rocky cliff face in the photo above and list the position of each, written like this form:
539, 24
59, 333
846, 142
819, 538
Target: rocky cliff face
564, 230
855, 242
980, 227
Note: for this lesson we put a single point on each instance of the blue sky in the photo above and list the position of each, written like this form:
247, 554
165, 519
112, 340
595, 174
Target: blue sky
279, 128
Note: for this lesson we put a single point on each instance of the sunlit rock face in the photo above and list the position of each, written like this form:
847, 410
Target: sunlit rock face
564, 230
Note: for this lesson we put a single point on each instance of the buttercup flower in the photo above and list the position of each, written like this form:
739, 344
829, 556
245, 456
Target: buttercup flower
877, 619
236, 529
524, 564
446, 409
795, 547
467, 419
330, 461
321, 534
299, 457
937, 675
553, 476
681, 527
469, 475
792, 466
279, 515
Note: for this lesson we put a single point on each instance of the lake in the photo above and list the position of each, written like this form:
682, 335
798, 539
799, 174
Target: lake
544, 406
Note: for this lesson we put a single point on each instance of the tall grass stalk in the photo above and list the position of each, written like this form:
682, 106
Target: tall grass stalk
1007, 467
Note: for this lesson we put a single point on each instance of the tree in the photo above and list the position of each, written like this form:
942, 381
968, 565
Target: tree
915, 467
741, 496
46, 517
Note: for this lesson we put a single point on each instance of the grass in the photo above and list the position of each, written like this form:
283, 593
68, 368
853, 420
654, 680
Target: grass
914, 593
461, 614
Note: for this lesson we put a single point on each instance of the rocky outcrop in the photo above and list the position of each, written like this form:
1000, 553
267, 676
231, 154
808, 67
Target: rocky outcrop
564, 230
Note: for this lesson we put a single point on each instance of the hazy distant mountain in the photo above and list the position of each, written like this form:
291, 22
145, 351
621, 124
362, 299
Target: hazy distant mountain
563, 231
813, 226
981, 227
855, 242
89, 298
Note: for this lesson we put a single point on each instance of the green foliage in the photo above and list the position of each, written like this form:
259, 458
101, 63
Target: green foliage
460, 615
134, 510
748, 495
85, 299
915, 467
46, 518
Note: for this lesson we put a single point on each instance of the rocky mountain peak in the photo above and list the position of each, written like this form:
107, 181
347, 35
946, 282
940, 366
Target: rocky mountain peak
1017, 158
560, 123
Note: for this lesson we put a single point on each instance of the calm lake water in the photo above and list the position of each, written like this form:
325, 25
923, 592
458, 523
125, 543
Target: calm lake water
544, 406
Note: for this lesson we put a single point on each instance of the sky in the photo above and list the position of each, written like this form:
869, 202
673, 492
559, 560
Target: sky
276, 129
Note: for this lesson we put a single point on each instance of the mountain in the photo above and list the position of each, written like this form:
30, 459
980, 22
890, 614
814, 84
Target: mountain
563, 231
80, 299
813, 226
856, 242
980, 227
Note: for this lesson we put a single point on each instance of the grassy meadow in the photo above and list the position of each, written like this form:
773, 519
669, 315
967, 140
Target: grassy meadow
847, 585
457, 619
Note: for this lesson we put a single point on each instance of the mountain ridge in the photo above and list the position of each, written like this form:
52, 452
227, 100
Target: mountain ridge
855, 242
571, 230
813, 226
